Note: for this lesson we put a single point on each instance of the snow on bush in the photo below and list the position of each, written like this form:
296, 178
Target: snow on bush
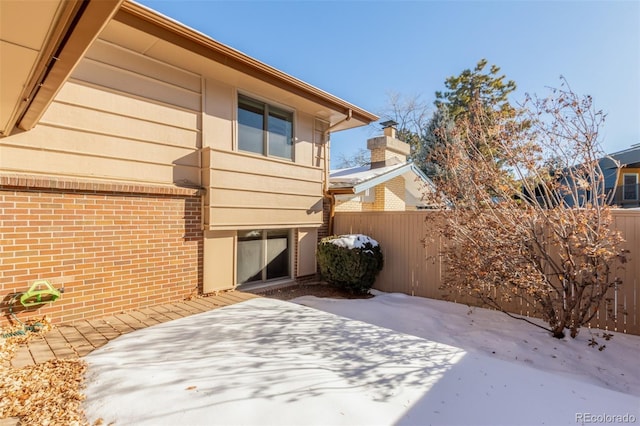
352, 241
350, 261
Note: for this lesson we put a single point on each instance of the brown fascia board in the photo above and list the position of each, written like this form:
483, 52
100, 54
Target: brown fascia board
61, 27
80, 30
151, 22
345, 190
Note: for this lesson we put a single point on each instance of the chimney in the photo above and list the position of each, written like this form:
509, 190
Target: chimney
386, 150
389, 128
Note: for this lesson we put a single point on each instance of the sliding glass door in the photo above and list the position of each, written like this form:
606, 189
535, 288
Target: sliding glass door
263, 255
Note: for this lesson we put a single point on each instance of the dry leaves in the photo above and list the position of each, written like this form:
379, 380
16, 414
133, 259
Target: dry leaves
44, 394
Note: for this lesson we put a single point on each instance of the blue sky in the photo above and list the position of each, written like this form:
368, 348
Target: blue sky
362, 51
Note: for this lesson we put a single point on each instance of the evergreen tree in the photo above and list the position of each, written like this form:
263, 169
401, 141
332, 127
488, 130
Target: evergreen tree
477, 86
439, 132
478, 99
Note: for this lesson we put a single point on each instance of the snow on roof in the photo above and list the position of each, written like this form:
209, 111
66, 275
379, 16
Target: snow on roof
356, 180
354, 175
352, 241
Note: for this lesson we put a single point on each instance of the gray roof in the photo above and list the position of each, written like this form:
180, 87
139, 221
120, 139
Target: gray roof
627, 157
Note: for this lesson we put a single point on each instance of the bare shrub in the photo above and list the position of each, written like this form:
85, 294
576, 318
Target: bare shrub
535, 226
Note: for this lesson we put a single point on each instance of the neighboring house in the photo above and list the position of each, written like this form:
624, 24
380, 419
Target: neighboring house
387, 183
626, 190
621, 171
143, 162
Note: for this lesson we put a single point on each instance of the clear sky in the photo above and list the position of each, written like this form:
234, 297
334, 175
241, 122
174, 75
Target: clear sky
361, 51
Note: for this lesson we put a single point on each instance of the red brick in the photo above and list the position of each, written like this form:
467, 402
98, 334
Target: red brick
111, 252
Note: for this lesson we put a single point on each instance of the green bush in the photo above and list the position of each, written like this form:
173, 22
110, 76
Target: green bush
350, 261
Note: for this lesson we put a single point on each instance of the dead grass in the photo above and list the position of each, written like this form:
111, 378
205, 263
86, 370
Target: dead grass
44, 394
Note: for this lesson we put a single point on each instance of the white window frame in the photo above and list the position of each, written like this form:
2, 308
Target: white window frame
624, 186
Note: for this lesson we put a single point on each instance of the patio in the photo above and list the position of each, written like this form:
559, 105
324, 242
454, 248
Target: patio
269, 362
80, 338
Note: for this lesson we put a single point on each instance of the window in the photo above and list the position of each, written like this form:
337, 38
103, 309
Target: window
630, 186
264, 129
263, 255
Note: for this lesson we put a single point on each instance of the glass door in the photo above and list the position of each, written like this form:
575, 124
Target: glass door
250, 255
263, 255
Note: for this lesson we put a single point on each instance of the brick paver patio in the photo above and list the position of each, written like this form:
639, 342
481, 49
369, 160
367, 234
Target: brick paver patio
81, 337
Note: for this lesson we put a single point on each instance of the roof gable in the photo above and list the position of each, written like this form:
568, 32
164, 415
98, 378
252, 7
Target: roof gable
358, 179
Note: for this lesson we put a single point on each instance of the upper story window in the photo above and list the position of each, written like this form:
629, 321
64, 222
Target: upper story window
264, 129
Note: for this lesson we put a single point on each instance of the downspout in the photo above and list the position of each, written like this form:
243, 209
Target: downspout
332, 212
325, 190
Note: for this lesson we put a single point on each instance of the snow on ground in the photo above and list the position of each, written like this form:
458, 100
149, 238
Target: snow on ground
398, 360
495, 334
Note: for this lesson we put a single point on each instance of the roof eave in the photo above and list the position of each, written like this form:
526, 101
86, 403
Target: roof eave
372, 182
139, 16
82, 28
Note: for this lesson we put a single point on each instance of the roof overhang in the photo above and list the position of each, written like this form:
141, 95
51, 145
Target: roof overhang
40, 45
162, 27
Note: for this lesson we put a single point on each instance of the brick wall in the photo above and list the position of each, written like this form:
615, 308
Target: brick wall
323, 230
112, 247
389, 196
352, 205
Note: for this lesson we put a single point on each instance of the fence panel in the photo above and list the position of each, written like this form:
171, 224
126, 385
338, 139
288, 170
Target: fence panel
414, 266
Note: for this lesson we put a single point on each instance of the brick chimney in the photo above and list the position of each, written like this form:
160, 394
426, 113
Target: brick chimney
386, 150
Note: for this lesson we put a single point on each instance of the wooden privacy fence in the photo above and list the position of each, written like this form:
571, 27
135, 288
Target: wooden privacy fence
415, 268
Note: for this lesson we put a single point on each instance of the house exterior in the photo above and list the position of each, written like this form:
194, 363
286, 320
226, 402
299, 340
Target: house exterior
620, 178
623, 183
141, 161
387, 183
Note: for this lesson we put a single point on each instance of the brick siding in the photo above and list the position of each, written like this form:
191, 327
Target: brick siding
352, 205
113, 247
389, 196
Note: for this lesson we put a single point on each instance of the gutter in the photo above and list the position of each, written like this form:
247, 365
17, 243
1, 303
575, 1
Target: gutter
43, 64
83, 21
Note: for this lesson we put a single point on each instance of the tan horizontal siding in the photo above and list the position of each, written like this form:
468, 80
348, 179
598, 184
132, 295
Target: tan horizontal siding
260, 165
89, 120
137, 84
231, 197
245, 190
249, 173
102, 146
68, 164
246, 181
109, 53
261, 218
91, 96
121, 117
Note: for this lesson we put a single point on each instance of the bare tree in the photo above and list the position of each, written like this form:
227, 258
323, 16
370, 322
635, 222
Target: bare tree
412, 115
535, 228
361, 158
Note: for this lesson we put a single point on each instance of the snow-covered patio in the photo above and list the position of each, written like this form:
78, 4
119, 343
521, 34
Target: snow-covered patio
398, 360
